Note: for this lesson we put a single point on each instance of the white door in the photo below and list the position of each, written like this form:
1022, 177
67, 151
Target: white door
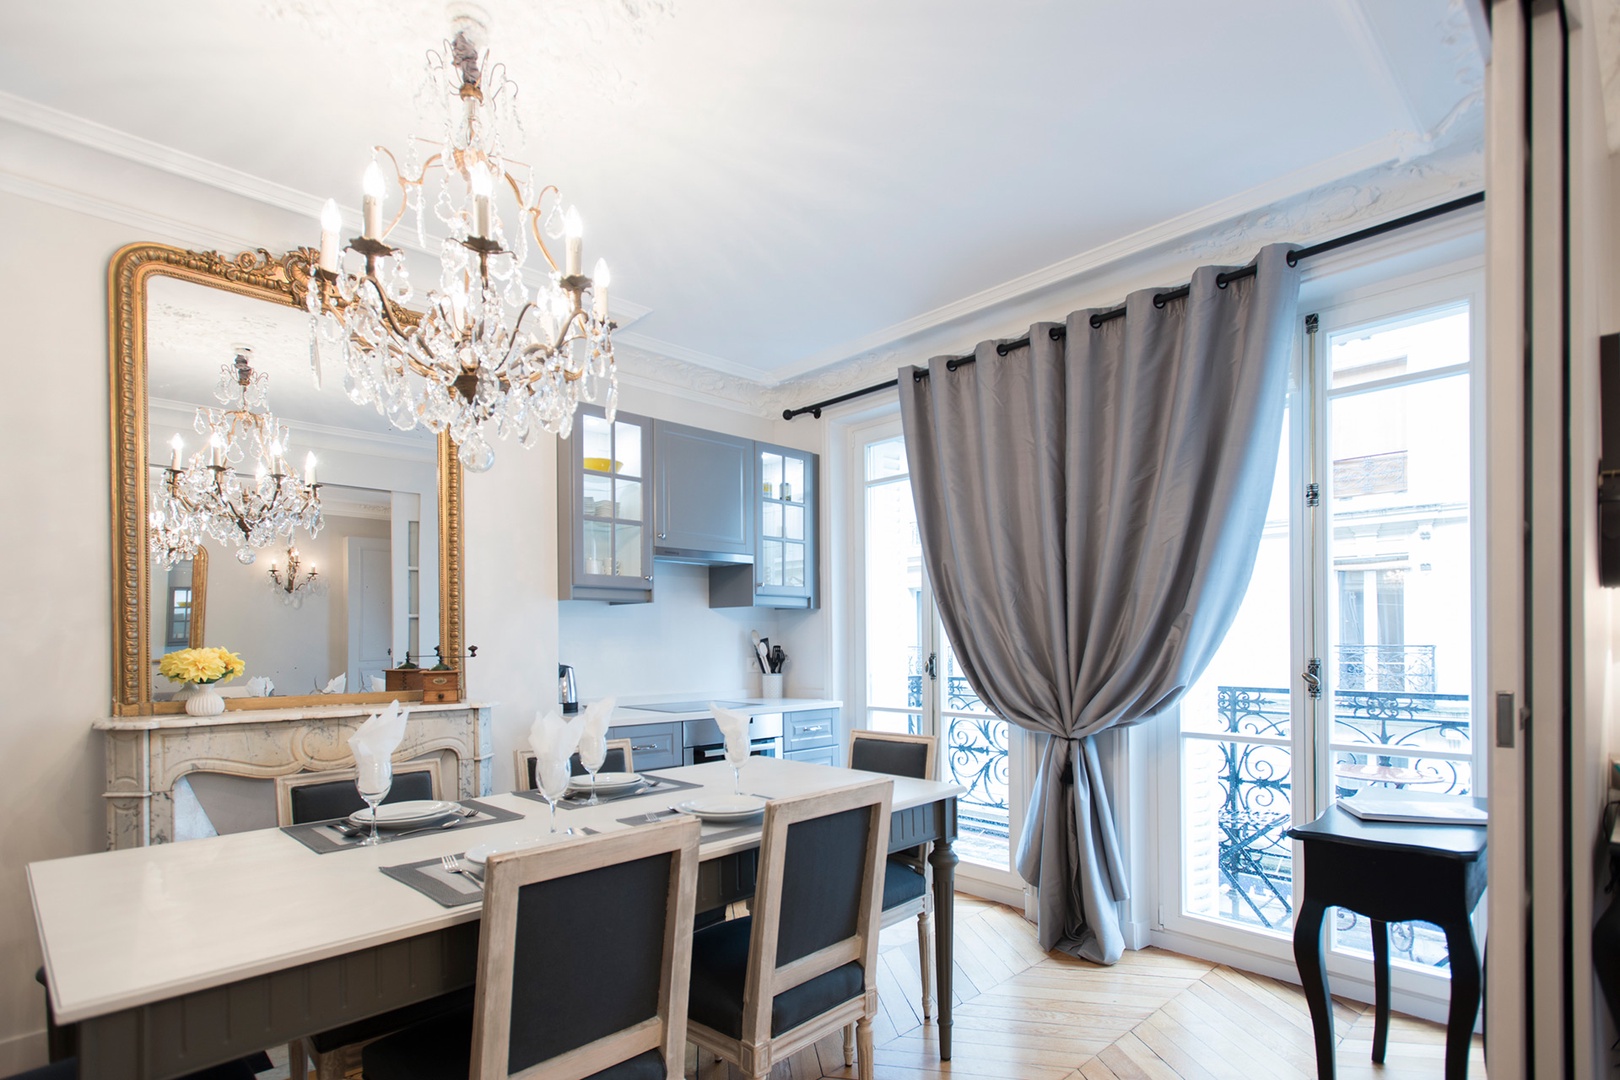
1355, 659
370, 592
909, 680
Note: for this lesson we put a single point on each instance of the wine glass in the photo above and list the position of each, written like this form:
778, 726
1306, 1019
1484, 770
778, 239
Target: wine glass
593, 755
552, 778
373, 778
737, 756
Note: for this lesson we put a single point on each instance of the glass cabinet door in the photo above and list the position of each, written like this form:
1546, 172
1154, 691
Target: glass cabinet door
787, 523
604, 507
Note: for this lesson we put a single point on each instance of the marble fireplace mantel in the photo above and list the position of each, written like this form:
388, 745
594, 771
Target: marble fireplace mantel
148, 755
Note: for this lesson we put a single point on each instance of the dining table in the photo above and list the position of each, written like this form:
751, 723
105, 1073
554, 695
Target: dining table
175, 957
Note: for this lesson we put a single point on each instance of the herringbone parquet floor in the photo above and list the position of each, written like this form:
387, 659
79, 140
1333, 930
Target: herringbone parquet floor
1022, 1014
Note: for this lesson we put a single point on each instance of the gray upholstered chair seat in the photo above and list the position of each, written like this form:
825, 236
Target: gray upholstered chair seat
437, 1050
902, 882
720, 968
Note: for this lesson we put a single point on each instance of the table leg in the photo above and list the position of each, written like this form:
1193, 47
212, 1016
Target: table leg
1465, 984
1313, 977
943, 859
1380, 944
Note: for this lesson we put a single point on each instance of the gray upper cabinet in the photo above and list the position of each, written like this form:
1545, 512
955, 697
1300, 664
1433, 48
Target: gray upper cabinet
785, 522
604, 528
705, 483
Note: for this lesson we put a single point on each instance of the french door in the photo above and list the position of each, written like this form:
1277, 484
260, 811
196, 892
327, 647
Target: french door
908, 679
1353, 660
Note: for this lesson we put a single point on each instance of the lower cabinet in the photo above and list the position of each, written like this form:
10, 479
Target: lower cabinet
826, 755
811, 735
652, 746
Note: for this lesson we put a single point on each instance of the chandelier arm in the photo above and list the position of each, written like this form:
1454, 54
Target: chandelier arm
534, 222
399, 175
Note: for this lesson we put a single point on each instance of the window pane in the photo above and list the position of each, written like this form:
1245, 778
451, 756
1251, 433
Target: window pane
627, 449
793, 479
894, 617
413, 543
793, 565
795, 522
627, 550
771, 519
597, 447
886, 458
1422, 342
598, 547
629, 506
598, 500
770, 475
770, 562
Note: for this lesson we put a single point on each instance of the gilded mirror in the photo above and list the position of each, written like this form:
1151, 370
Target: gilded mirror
387, 559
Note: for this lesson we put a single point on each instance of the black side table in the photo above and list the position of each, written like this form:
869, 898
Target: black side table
1391, 872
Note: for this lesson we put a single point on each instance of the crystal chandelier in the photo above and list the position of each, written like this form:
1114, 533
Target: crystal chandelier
212, 496
486, 347
290, 587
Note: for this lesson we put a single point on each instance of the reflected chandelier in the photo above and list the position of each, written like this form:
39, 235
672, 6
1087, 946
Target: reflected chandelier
485, 348
211, 496
290, 588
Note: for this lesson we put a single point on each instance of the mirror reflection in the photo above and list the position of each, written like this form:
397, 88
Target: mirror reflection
354, 588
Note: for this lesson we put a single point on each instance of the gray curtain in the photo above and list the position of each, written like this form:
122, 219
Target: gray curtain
1090, 509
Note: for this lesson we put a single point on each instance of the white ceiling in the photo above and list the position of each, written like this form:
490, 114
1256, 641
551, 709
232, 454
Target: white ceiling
784, 183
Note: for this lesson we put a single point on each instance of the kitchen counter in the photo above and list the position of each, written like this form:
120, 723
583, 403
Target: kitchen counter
628, 713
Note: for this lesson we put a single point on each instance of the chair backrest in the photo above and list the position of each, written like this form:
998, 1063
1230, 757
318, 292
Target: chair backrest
585, 956
619, 759
818, 905
893, 753
322, 796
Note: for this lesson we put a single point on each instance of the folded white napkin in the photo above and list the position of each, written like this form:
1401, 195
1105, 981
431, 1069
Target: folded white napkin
379, 684
374, 743
734, 726
554, 741
337, 683
260, 686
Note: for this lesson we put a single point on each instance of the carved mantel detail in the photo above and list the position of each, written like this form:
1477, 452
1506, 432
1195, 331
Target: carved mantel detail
147, 756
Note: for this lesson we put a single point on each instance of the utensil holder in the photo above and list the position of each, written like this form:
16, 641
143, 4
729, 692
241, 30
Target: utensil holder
770, 686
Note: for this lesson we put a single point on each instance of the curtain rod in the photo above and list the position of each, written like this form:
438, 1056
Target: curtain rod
1160, 299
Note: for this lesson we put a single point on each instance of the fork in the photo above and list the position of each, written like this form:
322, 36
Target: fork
450, 864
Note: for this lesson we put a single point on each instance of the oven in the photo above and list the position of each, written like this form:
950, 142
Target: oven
704, 741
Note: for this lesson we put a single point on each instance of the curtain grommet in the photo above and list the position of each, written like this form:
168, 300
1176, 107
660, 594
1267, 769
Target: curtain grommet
1096, 322
1158, 300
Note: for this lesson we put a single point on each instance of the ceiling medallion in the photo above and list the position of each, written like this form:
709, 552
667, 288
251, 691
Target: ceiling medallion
211, 496
486, 348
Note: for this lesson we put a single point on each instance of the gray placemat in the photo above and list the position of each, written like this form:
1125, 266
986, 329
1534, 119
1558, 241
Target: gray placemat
664, 786
431, 879
710, 831
321, 838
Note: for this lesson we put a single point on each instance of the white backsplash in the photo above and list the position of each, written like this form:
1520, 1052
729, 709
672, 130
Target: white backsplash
675, 645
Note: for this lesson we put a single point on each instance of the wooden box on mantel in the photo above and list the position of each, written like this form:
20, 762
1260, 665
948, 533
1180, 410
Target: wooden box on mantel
440, 686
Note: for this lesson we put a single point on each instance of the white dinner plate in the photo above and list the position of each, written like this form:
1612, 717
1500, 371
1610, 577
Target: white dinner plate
720, 808
606, 782
404, 814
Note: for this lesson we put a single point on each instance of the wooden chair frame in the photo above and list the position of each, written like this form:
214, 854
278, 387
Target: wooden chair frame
301, 1053
285, 784
921, 908
507, 873
521, 759
757, 1051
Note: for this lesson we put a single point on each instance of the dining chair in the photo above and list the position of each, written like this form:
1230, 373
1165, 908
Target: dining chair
619, 759
906, 887
322, 796
803, 965
584, 959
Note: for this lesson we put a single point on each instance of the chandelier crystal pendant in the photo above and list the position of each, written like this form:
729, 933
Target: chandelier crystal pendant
486, 347
290, 588
213, 496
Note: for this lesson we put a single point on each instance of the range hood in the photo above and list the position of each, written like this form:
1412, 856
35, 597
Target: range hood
697, 557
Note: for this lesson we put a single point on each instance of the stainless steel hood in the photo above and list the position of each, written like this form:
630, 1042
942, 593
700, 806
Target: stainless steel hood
695, 557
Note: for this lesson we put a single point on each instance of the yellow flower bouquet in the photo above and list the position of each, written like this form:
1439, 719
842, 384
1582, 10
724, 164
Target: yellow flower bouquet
201, 665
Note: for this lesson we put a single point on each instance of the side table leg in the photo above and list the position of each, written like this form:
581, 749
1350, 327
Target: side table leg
1465, 982
1380, 944
1313, 977
943, 859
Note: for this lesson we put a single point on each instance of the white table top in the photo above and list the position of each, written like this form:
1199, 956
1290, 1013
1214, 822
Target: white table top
124, 928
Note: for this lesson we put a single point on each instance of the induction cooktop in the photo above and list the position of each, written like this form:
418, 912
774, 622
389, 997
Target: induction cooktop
687, 706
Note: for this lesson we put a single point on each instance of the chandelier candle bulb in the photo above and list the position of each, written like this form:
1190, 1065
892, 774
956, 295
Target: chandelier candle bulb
574, 231
331, 222
371, 188
482, 190
177, 461
309, 469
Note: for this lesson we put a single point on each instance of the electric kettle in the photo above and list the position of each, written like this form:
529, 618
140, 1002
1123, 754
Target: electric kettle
567, 689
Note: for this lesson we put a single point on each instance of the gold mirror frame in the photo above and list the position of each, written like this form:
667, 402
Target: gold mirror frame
260, 276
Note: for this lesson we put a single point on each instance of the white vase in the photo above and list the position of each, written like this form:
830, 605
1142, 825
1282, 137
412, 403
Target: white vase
204, 701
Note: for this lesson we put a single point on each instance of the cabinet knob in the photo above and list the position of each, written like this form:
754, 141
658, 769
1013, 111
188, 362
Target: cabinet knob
646, 577
663, 536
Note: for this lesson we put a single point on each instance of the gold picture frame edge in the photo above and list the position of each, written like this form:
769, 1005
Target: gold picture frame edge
259, 275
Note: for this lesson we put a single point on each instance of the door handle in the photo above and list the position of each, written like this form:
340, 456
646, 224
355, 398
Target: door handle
931, 668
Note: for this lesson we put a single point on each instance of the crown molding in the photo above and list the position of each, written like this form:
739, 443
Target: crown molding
695, 357
180, 414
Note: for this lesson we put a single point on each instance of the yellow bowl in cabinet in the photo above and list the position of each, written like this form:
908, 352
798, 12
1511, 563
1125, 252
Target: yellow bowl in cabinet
602, 464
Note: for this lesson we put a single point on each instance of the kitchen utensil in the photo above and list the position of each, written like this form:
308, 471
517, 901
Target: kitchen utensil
764, 657
778, 658
567, 689
452, 823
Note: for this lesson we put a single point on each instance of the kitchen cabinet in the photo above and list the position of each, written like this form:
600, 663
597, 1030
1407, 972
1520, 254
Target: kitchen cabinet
652, 746
605, 535
705, 482
811, 735
783, 574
